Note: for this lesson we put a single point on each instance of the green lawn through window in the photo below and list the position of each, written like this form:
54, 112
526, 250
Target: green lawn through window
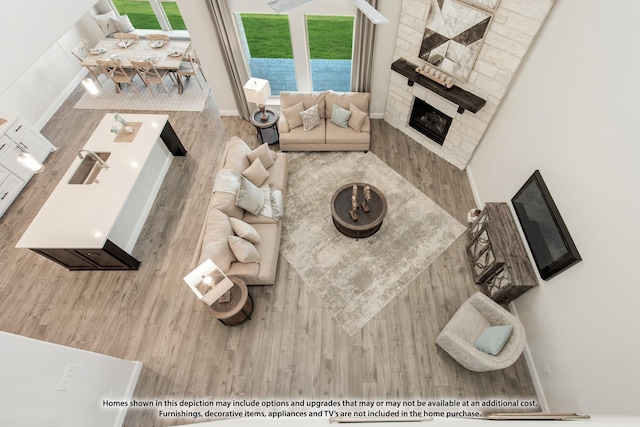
142, 16
268, 36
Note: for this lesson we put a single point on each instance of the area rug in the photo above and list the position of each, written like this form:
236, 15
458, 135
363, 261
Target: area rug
353, 278
192, 99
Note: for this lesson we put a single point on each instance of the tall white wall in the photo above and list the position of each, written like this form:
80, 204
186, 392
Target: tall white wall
31, 373
572, 113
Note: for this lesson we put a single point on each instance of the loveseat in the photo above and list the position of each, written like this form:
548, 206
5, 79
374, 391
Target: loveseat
241, 233
309, 121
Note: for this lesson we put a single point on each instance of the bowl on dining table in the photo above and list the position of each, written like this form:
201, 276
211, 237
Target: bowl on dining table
175, 53
157, 44
97, 50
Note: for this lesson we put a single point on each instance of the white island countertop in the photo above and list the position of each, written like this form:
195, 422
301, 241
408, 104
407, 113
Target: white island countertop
83, 215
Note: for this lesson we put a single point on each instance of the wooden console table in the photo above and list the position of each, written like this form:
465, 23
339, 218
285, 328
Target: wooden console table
498, 258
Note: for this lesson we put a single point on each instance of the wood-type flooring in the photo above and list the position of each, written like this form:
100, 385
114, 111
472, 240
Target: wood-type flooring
291, 348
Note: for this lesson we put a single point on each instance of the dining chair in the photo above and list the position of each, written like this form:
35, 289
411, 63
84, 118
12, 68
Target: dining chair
150, 74
162, 37
117, 74
127, 36
81, 51
189, 68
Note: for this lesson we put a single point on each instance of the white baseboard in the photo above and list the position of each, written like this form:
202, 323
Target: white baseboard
528, 357
474, 188
232, 113
55, 105
376, 115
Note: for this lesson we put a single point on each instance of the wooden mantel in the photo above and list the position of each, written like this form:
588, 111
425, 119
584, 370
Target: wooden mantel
463, 99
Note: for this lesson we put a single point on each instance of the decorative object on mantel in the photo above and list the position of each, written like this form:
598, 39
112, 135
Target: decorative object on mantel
436, 76
453, 35
464, 99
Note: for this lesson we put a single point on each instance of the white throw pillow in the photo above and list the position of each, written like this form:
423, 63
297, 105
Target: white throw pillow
292, 115
244, 230
249, 197
104, 23
310, 118
256, 173
264, 153
243, 250
122, 24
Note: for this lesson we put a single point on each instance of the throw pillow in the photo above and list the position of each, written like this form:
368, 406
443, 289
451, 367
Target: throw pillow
276, 205
104, 23
215, 242
493, 339
356, 121
310, 118
243, 250
340, 116
244, 230
256, 173
236, 155
292, 115
122, 24
264, 153
249, 197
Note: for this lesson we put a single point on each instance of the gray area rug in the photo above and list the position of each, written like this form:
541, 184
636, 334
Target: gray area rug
355, 279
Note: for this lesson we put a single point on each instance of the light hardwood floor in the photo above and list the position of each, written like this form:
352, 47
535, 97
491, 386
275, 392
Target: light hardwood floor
291, 348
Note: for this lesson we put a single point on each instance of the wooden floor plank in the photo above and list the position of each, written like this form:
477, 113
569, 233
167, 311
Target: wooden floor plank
291, 347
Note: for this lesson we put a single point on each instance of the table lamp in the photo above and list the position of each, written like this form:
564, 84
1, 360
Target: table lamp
258, 91
210, 275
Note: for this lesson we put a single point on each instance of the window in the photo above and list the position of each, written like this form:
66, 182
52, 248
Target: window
266, 40
322, 62
151, 14
330, 51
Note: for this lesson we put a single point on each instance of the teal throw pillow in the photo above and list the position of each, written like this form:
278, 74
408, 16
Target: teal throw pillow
340, 116
492, 339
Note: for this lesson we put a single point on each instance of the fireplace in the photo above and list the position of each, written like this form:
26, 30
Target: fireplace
429, 121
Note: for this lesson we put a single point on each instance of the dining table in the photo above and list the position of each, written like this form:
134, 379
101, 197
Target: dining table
164, 55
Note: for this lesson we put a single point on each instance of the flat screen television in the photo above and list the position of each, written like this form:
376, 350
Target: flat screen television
546, 233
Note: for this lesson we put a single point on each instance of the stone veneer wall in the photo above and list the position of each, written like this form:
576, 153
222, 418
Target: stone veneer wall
512, 29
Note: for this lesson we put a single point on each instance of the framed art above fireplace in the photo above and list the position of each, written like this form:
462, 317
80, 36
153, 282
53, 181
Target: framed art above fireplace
551, 244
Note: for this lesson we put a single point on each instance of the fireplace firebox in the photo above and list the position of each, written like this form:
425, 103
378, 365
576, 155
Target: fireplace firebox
429, 121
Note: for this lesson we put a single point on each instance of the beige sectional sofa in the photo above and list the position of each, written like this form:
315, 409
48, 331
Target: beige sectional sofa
241, 233
346, 129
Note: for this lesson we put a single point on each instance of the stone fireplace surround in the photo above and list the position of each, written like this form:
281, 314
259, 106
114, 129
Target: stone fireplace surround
511, 32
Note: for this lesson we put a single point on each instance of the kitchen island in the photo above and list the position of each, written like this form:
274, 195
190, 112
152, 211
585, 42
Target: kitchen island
92, 219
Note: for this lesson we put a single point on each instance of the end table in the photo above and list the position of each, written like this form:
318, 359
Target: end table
239, 307
267, 130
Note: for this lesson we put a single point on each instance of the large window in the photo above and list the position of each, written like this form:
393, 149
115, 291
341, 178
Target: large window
322, 62
330, 49
266, 40
151, 14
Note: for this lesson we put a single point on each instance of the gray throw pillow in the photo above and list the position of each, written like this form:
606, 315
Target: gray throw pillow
493, 339
340, 116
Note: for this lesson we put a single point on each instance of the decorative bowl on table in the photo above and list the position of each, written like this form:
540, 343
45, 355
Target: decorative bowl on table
175, 53
97, 50
157, 44
125, 43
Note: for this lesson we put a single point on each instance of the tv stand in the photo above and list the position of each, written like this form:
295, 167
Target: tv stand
499, 261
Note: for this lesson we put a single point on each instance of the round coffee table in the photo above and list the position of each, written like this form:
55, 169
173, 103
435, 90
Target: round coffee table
239, 307
367, 223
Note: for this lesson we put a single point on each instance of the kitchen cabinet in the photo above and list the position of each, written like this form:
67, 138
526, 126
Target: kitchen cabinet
17, 136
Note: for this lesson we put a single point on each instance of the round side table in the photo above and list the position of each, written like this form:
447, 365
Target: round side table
267, 130
239, 307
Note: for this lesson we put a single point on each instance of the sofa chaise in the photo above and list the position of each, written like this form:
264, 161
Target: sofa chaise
241, 233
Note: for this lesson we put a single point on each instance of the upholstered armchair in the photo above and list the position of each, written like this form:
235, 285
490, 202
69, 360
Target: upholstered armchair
459, 336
